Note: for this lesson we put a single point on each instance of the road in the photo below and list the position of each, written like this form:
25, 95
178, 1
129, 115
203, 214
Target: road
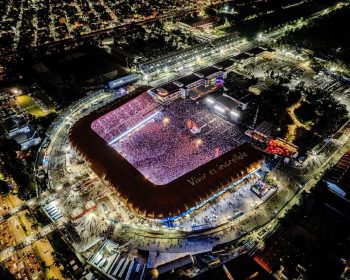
22, 240
265, 216
308, 186
225, 51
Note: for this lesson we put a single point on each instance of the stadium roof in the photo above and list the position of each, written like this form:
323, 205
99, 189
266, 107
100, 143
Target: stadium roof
170, 88
146, 198
226, 101
182, 57
241, 96
224, 64
242, 55
340, 173
187, 80
207, 71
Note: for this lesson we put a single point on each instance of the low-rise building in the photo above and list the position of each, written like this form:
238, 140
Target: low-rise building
168, 92
225, 106
225, 65
242, 98
194, 23
211, 75
258, 88
189, 82
27, 137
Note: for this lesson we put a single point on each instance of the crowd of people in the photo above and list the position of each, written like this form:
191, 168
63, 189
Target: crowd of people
240, 199
166, 148
118, 121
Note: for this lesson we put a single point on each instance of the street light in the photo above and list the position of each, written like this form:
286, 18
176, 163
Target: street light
166, 120
234, 113
220, 109
199, 142
209, 100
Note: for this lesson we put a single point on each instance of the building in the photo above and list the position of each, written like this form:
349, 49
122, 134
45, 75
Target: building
176, 61
243, 56
258, 88
27, 140
189, 82
89, 69
25, 136
211, 75
175, 264
242, 98
337, 189
168, 92
191, 24
225, 65
201, 83
256, 51
123, 81
262, 133
166, 201
338, 178
16, 127
225, 106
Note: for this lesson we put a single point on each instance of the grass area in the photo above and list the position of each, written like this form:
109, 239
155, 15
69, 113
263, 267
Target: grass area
28, 103
27, 222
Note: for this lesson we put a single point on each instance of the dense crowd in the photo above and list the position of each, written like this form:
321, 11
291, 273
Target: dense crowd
180, 138
118, 121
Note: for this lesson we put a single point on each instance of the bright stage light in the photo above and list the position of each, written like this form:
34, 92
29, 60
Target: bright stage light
209, 100
220, 109
199, 142
166, 120
132, 129
234, 113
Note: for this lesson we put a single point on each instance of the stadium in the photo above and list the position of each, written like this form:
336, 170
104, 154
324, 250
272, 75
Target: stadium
164, 161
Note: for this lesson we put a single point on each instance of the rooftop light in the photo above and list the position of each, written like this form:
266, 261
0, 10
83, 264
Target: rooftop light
220, 109
210, 100
234, 113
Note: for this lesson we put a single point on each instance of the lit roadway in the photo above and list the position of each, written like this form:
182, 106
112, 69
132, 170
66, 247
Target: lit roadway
58, 131
171, 73
312, 182
267, 214
243, 224
171, 240
284, 196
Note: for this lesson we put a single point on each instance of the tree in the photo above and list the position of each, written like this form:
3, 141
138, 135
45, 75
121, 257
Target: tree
35, 226
56, 259
5, 274
4, 188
